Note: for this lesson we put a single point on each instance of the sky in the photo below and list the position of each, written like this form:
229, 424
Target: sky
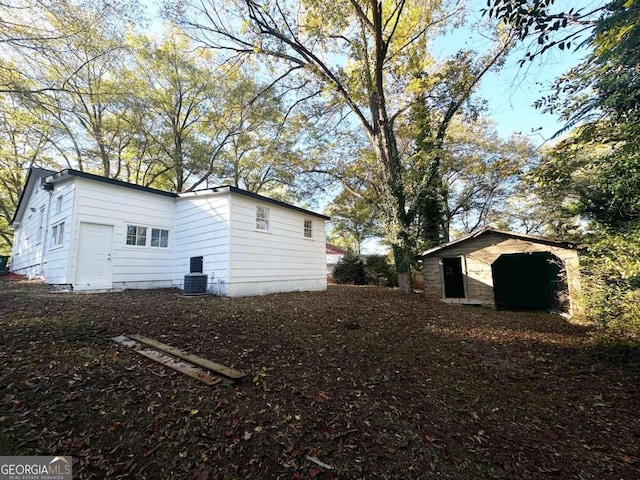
512, 90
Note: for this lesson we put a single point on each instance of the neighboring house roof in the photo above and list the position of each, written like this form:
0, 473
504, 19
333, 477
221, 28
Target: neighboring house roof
52, 177
333, 250
488, 230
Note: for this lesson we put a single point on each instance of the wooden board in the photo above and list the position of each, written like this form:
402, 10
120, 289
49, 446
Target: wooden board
189, 357
169, 361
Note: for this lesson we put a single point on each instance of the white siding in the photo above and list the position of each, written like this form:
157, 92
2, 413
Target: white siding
202, 229
27, 255
57, 257
105, 204
279, 260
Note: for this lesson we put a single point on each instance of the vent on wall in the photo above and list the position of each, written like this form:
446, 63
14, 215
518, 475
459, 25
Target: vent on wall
195, 283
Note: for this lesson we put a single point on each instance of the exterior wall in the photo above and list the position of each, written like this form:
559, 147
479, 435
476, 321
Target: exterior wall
238, 258
332, 261
57, 256
105, 204
280, 260
478, 255
202, 229
29, 241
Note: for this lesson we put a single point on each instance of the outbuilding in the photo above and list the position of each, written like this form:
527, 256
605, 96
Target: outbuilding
86, 232
504, 270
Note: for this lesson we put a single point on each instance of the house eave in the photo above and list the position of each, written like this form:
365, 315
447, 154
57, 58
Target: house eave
253, 196
33, 176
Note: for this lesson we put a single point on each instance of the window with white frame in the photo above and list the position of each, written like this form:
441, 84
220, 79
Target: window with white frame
136, 235
59, 204
262, 218
57, 234
308, 228
159, 238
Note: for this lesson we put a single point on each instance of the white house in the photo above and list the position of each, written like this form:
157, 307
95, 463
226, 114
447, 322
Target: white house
334, 255
86, 232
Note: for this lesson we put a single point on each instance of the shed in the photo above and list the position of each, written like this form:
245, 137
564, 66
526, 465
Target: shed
504, 270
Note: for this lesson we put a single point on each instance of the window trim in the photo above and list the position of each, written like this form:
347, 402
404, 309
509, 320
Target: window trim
266, 219
59, 204
136, 236
148, 236
57, 235
159, 230
309, 230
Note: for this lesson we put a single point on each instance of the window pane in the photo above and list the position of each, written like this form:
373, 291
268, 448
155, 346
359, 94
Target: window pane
262, 218
131, 235
141, 236
308, 228
159, 238
136, 235
60, 234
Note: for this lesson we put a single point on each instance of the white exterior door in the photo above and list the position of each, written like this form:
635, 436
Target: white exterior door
94, 264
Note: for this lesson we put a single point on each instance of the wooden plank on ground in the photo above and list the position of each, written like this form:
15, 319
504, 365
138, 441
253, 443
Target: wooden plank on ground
189, 357
169, 361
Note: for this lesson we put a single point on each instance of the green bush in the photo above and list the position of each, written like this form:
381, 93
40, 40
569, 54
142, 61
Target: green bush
350, 269
379, 272
372, 270
611, 283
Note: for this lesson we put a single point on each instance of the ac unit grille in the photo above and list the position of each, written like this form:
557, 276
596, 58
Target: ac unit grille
195, 284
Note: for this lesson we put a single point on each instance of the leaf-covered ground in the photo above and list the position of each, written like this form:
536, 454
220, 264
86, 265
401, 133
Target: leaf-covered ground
364, 380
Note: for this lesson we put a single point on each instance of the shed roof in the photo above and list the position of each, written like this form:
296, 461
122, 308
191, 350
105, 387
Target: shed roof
492, 230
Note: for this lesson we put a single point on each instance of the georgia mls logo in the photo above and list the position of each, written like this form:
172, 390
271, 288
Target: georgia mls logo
36, 468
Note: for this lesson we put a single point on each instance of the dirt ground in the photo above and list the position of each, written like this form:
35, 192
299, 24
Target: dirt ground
354, 382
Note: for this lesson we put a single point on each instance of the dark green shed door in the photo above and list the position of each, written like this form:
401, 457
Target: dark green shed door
526, 280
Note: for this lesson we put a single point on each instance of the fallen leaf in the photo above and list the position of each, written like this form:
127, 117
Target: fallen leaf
247, 436
314, 472
551, 434
321, 397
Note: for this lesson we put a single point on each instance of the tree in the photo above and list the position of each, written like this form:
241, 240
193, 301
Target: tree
368, 56
182, 98
480, 171
23, 143
353, 220
75, 83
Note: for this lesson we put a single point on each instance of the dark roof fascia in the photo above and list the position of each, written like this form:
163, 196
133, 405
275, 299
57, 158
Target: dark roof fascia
64, 174
255, 196
41, 173
484, 231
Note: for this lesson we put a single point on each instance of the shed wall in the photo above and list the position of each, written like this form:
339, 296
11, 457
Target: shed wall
478, 255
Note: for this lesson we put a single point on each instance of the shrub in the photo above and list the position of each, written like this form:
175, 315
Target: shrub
611, 283
379, 272
374, 270
350, 269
